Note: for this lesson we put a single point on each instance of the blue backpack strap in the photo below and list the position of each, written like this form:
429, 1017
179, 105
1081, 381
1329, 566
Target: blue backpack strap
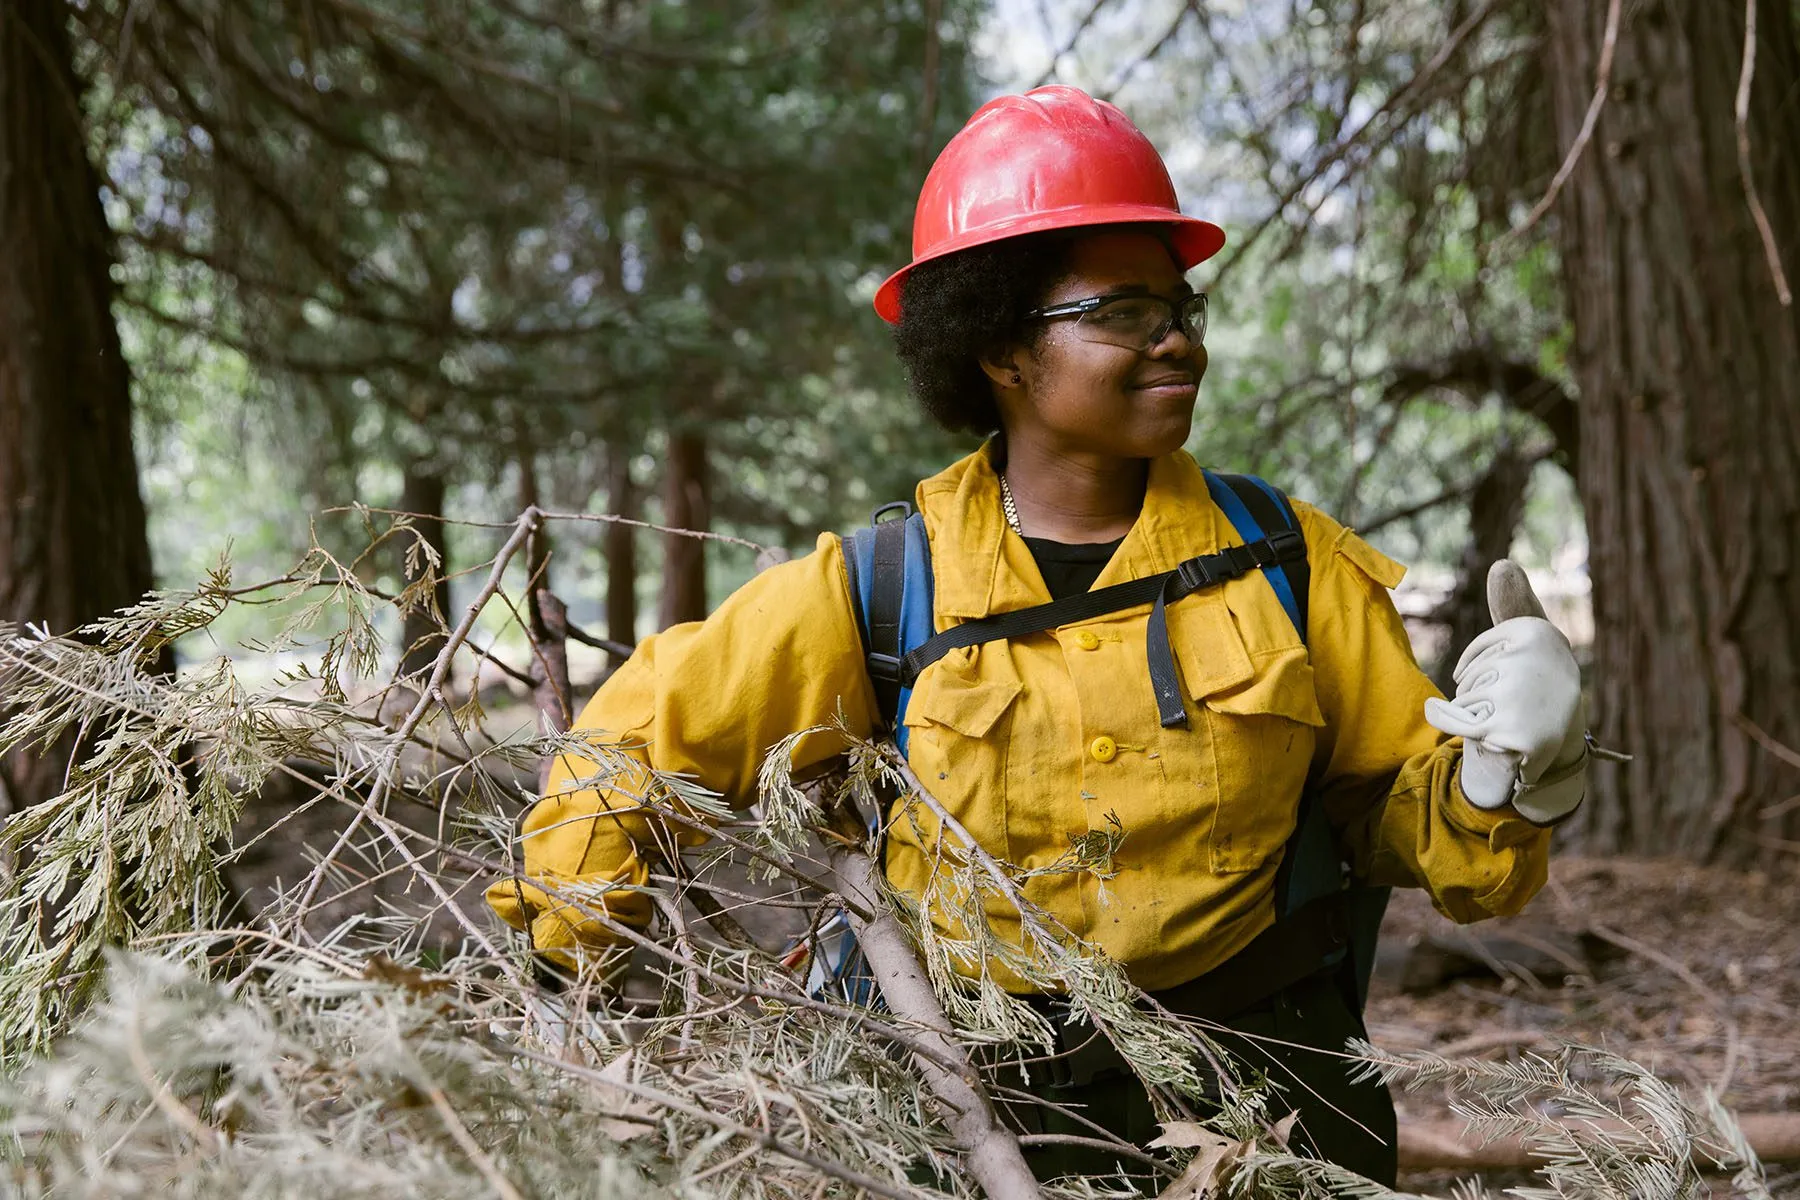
1256, 509
892, 591
891, 594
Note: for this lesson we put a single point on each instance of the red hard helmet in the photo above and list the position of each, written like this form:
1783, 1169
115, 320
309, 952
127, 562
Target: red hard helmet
1054, 158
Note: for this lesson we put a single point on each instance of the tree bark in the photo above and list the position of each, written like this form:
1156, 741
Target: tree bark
686, 505
1495, 508
1689, 369
73, 544
422, 491
622, 500
991, 1151
546, 620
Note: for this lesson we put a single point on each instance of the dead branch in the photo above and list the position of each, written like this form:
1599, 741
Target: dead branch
439, 672
1602, 81
992, 1151
674, 1103
1400, 102
1771, 251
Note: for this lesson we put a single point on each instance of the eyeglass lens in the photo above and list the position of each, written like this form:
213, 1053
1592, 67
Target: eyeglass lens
1143, 321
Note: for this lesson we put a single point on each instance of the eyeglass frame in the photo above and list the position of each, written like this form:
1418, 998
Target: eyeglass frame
1080, 308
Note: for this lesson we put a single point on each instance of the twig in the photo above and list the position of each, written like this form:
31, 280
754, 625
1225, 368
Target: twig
705, 535
618, 650
675, 1104
1440, 1145
1602, 82
1761, 736
165, 1099
1679, 969
440, 669
1125, 73
1080, 28
1337, 152
1770, 250
794, 998
1492, 1039
460, 1132
1087, 1143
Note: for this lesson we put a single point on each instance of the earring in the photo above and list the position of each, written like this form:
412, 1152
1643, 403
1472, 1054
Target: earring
1017, 379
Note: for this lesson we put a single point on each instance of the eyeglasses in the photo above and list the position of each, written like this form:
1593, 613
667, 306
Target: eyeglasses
1134, 321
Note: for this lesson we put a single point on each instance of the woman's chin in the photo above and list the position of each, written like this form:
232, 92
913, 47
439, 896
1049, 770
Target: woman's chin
1157, 438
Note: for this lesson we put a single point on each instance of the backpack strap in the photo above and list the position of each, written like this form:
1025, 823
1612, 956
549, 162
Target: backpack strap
1256, 509
891, 593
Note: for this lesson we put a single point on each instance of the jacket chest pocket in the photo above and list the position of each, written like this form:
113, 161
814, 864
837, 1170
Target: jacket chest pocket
1262, 734
957, 736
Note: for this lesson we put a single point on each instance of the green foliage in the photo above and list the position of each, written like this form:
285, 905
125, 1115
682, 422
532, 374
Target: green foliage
377, 232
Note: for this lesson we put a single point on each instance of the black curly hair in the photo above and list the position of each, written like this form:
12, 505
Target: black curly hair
956, 308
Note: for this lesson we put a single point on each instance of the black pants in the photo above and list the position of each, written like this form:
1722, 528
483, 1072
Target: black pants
1295, 1039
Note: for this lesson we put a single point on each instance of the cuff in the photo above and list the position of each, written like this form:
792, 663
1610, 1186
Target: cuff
1490, 781
1556, 794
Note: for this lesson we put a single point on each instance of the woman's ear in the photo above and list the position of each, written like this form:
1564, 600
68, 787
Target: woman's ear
1001, 365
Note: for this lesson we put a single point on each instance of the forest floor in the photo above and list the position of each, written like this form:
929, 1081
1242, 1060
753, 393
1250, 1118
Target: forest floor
1691, 971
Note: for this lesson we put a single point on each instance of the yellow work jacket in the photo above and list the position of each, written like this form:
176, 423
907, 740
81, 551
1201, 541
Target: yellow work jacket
1033, 741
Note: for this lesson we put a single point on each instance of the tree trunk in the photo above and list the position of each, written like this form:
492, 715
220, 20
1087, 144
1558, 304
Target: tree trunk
422, 491
1689, 368
1495, 508
73, 545
621, 547
546, 619
685, 506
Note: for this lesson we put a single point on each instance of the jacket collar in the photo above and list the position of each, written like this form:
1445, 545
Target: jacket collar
981, 568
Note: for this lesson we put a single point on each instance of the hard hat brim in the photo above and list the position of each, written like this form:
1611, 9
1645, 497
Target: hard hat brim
1195, 240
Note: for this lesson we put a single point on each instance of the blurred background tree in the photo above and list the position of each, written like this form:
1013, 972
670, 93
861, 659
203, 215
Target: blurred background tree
1494, 264
73, 545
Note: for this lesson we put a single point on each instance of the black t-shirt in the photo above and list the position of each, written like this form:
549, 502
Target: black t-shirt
1070, 568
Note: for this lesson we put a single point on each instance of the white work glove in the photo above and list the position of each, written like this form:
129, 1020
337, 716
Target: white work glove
1518, 708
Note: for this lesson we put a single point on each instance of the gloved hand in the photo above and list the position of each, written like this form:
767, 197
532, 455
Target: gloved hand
1518, 708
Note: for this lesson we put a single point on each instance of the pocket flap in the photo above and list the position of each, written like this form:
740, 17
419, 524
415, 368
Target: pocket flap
1282, 685
956, 702
1208, 646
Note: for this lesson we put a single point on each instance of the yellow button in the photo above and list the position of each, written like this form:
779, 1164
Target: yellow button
1087, 640
1103, 748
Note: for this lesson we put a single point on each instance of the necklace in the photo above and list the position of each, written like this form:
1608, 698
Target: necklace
1009, 508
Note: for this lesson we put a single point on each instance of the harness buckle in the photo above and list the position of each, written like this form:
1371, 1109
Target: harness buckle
1195, 574
1285, 544
884, 668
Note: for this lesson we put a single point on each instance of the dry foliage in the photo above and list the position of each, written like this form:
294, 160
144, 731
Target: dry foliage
159, 1040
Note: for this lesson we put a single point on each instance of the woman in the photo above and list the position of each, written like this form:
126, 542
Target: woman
1047, 302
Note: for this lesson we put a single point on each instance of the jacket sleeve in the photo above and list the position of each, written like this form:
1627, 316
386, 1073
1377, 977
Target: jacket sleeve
1388, 779
705, 700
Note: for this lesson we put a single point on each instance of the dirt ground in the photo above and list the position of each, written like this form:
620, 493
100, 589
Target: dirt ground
1692, 971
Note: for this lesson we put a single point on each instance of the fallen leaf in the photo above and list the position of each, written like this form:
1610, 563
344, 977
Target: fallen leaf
1184, 1135
620, 1127
1205, 1177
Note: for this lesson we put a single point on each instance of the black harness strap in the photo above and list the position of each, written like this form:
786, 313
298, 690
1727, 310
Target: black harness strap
1203, 571
887, 586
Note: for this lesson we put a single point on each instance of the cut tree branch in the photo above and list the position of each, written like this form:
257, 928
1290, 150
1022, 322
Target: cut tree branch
992, 1152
